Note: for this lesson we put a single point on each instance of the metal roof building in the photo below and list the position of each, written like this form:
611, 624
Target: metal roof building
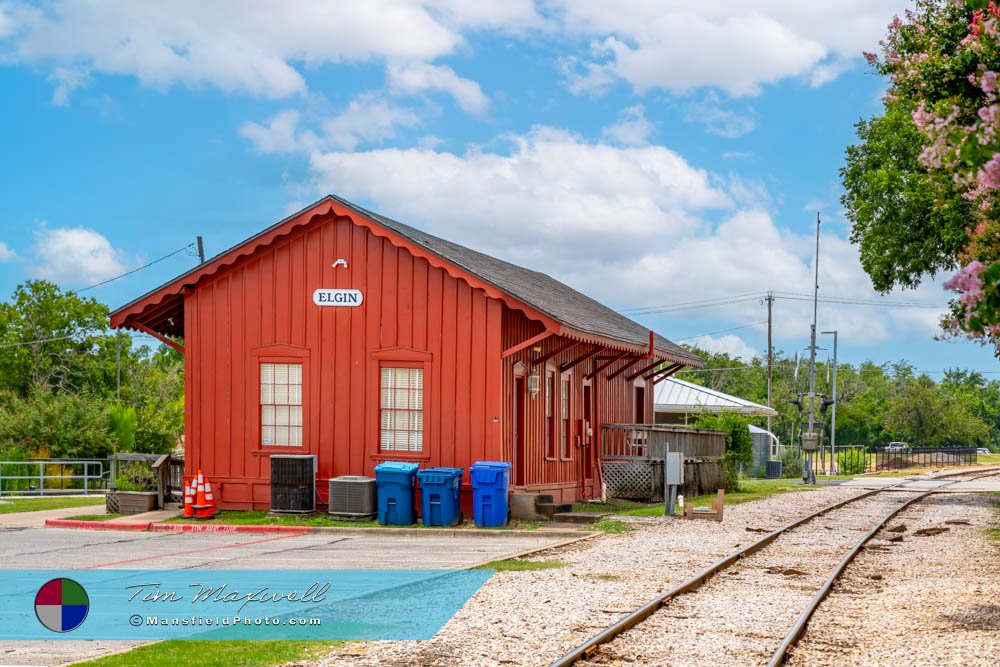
675, 399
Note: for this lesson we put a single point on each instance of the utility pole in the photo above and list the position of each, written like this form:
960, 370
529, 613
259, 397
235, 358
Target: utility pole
201, 251
770, 354
833, 417
118, 364
810, 474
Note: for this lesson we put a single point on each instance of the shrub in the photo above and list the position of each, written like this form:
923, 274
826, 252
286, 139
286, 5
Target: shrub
135, 477
66, 425
852, 461
791, 463
739, 444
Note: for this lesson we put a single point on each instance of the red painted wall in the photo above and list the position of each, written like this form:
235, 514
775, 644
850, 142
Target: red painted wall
261, 309
613, 402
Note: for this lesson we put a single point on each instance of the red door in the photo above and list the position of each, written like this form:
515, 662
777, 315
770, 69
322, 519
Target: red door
519, 431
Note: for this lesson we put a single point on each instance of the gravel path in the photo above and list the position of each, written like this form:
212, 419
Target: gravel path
927, 599
741, 615
531, 618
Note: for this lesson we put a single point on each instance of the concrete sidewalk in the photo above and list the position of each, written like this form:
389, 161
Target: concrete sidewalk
37, 519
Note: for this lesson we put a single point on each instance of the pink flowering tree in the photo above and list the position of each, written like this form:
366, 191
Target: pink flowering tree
942, 61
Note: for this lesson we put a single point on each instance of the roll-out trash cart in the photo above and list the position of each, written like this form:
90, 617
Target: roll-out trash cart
490, 485
439, 488
396, 485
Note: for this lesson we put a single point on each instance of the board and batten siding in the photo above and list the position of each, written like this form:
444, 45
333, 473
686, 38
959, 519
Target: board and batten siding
613, 402
261, 307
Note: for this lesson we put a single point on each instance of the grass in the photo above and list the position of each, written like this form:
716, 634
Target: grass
613, 526
514, 565
39, 504
216, 654
988, 458
751, 489
94, 517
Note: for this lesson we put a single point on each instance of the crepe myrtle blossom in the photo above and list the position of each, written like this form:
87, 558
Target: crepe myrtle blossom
927, 59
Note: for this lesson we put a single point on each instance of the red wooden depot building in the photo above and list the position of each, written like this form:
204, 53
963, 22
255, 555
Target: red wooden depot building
344, 334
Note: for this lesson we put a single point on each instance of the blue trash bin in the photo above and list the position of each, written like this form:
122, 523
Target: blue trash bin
439, 488
396, 486
490, 484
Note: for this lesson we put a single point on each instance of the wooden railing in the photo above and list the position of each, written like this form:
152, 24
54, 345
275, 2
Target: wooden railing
649, 441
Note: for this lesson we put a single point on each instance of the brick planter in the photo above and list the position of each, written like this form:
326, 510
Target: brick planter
136, 502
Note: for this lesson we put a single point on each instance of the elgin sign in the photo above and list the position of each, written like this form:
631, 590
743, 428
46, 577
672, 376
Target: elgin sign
338, 297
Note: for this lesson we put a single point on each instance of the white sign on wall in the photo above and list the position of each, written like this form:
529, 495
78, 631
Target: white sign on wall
338, 297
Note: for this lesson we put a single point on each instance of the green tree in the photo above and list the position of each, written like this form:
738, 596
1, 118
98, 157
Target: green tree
908, 222
924, 414
49, 338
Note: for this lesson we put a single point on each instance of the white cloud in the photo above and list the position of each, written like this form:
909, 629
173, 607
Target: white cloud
248, 46
415, 78
6, 254
279, 134
632, 129
680, 46
66, 80
367, 119
736, 155
631, 226
718, 120
730, 344
76, 255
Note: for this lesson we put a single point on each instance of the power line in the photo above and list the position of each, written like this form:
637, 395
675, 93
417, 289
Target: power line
712, 333
637, 311
128, 273
40, 340
49, 340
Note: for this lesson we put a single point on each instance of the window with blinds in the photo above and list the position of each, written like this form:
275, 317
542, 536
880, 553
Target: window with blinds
401, 407
281, 405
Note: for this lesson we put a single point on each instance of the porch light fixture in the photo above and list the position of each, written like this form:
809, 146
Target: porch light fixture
534, 384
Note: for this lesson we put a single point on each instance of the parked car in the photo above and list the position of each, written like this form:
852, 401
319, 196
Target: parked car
897, 447
982, 450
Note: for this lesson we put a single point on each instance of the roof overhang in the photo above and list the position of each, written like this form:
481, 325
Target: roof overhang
162, 309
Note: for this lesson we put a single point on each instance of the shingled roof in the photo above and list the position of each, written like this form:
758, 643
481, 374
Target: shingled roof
537, 290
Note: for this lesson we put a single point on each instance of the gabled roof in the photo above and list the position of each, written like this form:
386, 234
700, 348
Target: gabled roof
675, 396
537, 293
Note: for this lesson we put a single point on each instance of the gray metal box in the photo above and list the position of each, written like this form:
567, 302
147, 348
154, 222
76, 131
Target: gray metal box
673, 468
353, 497
810, 441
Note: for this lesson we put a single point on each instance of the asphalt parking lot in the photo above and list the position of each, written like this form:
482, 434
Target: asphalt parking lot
54, 548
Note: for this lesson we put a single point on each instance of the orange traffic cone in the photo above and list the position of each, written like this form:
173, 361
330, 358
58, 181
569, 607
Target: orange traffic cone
210, 509
188, 501
202, 510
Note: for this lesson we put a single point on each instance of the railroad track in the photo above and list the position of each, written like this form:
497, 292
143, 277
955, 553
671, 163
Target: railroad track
756, 573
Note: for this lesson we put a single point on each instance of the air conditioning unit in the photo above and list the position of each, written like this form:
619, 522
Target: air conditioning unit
353, 497
293, 483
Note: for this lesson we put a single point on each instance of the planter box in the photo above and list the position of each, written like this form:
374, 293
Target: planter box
136, 502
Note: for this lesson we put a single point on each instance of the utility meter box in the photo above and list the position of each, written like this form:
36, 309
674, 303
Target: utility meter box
673, 468
810, 441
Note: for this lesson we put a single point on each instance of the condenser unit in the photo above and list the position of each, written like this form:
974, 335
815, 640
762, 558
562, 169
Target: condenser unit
293, 483
353, 497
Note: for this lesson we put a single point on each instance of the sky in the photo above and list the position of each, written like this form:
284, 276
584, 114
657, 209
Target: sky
648, 153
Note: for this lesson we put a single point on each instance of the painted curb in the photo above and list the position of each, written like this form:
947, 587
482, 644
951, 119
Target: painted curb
227, 529
96, 525
224, 528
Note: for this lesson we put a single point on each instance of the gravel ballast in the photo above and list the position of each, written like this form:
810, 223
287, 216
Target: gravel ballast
532, 618
929, 598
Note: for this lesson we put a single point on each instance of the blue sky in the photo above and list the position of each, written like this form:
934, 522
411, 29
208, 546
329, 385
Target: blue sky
650, 155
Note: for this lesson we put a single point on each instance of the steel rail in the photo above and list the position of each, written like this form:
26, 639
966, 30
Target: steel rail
799, 629
645, 611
